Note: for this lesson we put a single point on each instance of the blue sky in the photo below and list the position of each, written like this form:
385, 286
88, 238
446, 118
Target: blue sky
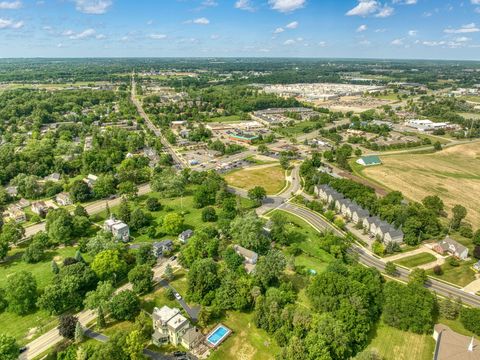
430, 29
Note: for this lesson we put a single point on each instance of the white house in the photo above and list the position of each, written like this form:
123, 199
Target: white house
452, 247
63, 199
118, 228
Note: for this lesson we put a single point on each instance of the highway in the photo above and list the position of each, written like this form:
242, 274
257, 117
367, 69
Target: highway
368, 259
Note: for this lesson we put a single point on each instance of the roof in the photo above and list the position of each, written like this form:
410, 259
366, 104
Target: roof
164, 314
245, 252
448, 244
191, 335
186, 233
177, 321
453, 346
162, 243
371, 160
119, 226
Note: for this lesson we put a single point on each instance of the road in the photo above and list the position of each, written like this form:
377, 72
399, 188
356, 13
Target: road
41, 344
368, 259
176, 158
192, 312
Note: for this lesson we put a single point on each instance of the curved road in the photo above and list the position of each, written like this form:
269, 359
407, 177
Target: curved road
367, 259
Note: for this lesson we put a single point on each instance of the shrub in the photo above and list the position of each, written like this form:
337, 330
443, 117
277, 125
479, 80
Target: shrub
378, 248
470, 318
437, 270
453, 262
476, 251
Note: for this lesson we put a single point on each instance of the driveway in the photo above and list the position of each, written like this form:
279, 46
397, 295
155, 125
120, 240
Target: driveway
191, 311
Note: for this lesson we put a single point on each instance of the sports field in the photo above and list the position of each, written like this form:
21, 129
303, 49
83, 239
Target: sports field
453, 174
270, 177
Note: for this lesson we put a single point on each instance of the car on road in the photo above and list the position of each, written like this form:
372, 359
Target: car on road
23, 349
178, 296
179, 353
173, 258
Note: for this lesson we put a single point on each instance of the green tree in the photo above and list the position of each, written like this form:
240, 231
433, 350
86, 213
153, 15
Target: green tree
145, 255
209, 214
417, 276
80, 192
80, 211
284, 161
248, 230
9, 349
66, 326
437, 146
257, 194
100, 297
173, 223
390, 268
21, 292
470, 318
134, 345
270, 267
168, 274
109, 265
59, 226
153, 204
459, 213
79, 333
141, 277
124, 306
101, 323
433, 203
128, 189
104, 186
202, 280
54, 267
124, 211
34, 252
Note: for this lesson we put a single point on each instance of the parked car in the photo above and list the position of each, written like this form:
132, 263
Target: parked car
178, 296
174, 257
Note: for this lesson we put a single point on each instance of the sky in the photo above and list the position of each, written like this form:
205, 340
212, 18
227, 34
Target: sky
395, 29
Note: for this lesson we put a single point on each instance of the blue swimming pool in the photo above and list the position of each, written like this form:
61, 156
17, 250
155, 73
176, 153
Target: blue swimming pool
218, 335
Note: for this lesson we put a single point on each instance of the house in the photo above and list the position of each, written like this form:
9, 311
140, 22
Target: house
15, 213
370, 224
370, 160
90, 180
358, 214
170, 326
23, 203
476, 266
452, 247
322, 191
393, 235
185, 235
63, 199
12, 190
451, 345
118, 228
40, 208
55, 177
250, 257
161, 247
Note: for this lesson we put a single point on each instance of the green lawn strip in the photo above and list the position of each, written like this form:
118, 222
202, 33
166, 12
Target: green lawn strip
394, 344
226, 119
460, 275
416, 260
246, 341
26, 328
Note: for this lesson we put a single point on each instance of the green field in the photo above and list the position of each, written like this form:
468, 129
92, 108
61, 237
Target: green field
226, 119
460, 275
297, 129
394, 344
271, 178
247, 342
416, 260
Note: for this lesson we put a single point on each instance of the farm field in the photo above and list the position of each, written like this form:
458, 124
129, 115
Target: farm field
416, 260
394, 344
453, 174
270, 177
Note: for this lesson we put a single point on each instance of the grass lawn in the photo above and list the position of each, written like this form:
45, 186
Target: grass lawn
26, 328
271, 178
297, 129
246, 342
460, 275
416, 260
226, 119
394, 344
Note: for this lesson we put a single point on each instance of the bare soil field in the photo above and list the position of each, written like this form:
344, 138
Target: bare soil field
453, 174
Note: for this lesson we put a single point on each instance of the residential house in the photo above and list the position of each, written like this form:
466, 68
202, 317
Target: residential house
452, 247
40, 208
370, 224
322, 191
345, 208
170, 326
185, 235
63, 199
393, 235
15, 213
451, 345
90, 180
55, 177
23, 203
161, 247
118, 228
476, 266
250, 257
358, 214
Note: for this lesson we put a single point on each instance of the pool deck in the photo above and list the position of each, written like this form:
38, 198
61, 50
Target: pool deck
222, 339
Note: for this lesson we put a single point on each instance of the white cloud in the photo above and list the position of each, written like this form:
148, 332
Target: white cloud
215, 37
286, 5
465, 29
412, 32
244, 5
475, 2
59, 45
322, 43
149, 22
397, 42
209, 3
10, 24
462, 39
292, 25
10, 5
364, 8
96, 7
85, 34
100, 37
279, 30
405, 2
201, 21
433, 43
364, 43
158, 36
384, 12
362, 28
289, 42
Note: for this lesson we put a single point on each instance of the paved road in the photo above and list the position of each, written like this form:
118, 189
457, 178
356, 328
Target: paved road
192, 312
366, 258
52, 337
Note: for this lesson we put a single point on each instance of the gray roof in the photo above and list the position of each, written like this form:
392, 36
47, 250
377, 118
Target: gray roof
449, 243
163, 243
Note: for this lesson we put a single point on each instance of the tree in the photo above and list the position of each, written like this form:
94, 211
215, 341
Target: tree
168, 274
4, 247
145, 255
80, 192
124, 211
59, 226
449, 308
143, 323
437, 146
54, 267
434, 203
9, 349
101, 323
153, 204
100, 297
209, 214
232, 259
417, 276
476, 237
390, 268
470, 318
134, 346
124, 306
437, 270
270, 267
21, 292
141, 277
138, 219
459, 213
202, 280
284, 161
109, 265
278, 227
128, 189
34, 253
79, 333
12, 232
66, 326
257, 194
80, 211
104, 186
173, 223
248, 230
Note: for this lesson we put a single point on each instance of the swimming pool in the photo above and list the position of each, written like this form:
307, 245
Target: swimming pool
218, 334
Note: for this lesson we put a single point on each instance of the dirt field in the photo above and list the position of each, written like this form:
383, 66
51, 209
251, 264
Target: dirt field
453, 174
270, 176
